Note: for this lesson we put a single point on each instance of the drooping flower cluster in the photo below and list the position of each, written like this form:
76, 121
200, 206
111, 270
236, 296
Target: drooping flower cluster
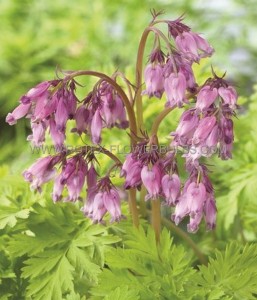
50, 105
160, 177
102, 197
205, 128
103, 107
173, 73
208, 126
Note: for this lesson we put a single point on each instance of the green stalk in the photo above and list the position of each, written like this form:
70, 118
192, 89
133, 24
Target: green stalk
156, 218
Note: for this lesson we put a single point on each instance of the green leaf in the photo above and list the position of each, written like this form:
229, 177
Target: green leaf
9, 216
123, 293
53, 284
230, 275
152, 271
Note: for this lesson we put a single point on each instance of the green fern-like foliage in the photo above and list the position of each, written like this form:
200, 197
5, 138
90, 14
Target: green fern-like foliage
151, 271
48, 251
229, 275
146, 271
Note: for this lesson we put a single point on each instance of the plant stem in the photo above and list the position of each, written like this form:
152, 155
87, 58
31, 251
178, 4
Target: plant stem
139, 71
142, 203
159, 119
133, 206
156, 218
128, 84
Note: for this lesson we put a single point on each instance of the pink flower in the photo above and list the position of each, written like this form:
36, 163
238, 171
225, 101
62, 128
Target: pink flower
122, 121
203, 129
113, 112
210, 211
186, 69
61, 116
82, 117
41, 171
58, 137
91, 192
98, 210
213, 138
206, 97
129, 161
73, 176
68, 169
229, 96
154, 81
96, 127
111, 200
75, 184
71, 102
227, 138
171, 188
181, 210
196, 196
91, 177
58, 188
202, 45
193, 45
191, 203
151, 179
133, 175
175, 88
102, 199
18, 113
187, 44
38, 133
194, 222
186, 128
38, 90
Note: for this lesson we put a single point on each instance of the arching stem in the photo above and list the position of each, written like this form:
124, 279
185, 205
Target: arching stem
159, 119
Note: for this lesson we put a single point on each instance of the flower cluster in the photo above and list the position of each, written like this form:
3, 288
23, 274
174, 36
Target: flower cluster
50, 105
103, 107
102, 196
174, 75
159, 175
204, 128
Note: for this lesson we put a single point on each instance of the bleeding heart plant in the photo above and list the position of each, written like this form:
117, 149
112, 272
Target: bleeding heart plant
205, 126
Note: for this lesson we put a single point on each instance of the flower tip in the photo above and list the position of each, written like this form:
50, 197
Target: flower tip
192, 228
10, 119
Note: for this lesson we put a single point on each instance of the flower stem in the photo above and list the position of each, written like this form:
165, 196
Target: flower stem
128, 84
133, 206
159, 119
139, 72
156, 218
142, 203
